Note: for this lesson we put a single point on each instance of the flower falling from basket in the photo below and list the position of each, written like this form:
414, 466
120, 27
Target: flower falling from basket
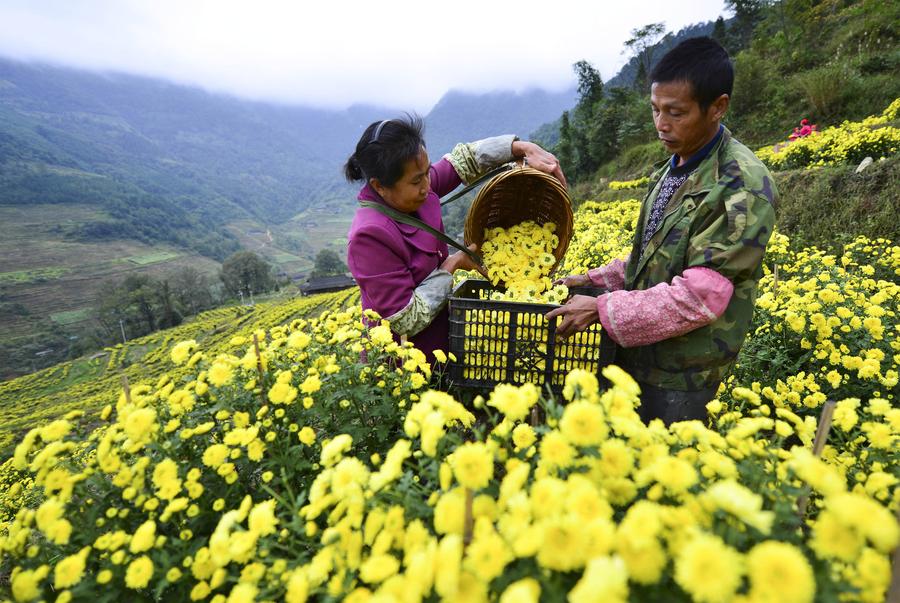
522, 257
517, 196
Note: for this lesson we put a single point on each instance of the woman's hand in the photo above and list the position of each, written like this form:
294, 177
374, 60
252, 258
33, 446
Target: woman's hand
539, 159
574, 280
462, 261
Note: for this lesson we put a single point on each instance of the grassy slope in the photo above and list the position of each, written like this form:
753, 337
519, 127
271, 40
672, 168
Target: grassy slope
291, 246
91, 382
849, 73
825, 206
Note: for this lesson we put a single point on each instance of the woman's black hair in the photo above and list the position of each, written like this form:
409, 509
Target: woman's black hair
384, 148
703, 63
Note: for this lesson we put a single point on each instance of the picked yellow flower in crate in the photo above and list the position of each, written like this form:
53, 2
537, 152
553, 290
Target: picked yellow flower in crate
522, 223
511, 341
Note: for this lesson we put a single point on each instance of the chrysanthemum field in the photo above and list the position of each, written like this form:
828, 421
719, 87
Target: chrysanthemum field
316, 461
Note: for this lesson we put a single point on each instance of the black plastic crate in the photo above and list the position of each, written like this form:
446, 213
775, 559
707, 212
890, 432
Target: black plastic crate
511, 342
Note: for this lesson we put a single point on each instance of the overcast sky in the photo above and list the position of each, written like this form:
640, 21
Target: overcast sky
334, 53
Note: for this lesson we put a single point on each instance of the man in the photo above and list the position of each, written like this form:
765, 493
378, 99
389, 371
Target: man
680, 305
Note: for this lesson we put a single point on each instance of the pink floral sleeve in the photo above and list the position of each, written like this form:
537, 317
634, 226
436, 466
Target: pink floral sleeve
611, 276
693, 300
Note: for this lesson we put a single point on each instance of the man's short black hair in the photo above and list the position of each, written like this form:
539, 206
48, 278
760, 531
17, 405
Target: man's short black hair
703, 63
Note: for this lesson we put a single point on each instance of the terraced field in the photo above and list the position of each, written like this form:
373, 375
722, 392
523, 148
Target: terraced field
55, 279
50, 282
292, 246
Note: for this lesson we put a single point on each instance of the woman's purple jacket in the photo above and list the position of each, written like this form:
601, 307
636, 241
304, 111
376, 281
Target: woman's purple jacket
389, 260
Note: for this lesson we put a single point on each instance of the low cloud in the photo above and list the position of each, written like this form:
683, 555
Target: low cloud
401, 54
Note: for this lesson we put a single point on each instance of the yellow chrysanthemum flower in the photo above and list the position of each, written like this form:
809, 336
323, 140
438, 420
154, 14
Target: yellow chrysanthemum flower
778, 571
708, 569
139, 573
473, 465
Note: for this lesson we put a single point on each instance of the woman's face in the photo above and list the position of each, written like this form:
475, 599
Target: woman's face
409, 192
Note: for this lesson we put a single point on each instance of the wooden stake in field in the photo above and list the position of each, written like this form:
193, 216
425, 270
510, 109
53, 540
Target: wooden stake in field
126, 388
818, 446
259, 368
469, 521
823, 428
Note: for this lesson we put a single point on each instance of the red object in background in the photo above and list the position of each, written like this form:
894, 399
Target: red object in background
803, 131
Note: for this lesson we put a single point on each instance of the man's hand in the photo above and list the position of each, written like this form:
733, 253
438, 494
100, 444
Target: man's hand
578, 314
574, 280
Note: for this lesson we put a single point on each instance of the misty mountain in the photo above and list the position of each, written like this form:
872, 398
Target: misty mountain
175, 163
172, 141
461, 117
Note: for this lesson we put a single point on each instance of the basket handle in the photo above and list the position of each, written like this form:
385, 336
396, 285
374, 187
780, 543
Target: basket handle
407, 219
497, 170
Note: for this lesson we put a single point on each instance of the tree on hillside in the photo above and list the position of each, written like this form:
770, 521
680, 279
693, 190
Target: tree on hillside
747, 14
590, 84
604, 119
604, 130
720, 32
590, 96
641, 78
328, 263
169, 316
245, 272
138, 305
138, 294
564, 150
191, 290
641, 45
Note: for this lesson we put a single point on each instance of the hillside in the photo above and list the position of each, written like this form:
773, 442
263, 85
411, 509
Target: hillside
548, 133
834, 185
780, 78
130, 143
49, 283
460, 116
85, 383
175, 164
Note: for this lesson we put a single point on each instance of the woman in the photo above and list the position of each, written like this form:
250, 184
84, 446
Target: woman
404, 273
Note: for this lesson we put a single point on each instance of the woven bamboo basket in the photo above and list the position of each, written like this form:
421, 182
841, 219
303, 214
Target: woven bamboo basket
516, 196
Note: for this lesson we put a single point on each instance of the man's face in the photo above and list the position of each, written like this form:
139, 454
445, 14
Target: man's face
682, 126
